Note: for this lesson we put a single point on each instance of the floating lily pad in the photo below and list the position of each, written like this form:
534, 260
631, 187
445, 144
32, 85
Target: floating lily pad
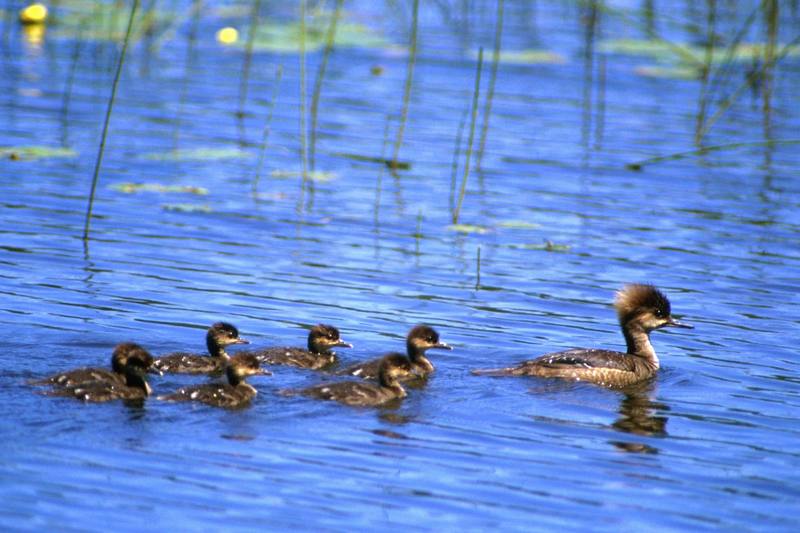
99, 21
547, 246
200, 154
28, 153
468, 228
318, 176
528, 57
668, 52
130, 188
518, 224
187, 208
284, 37
670, 73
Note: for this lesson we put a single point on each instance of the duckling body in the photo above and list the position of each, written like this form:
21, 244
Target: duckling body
119, 358
420, 339
218, 336
640, 309
233, 394
393, 368
126, 382
319, 354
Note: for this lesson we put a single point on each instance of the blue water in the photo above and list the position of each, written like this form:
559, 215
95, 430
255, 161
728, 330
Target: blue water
711, 444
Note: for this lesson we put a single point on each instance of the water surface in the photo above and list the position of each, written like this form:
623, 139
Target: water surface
710, 444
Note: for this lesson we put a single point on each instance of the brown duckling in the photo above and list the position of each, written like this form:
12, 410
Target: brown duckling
127, 382
119, 360
393, 367
319, 354
420, 339
640, 309
236, 393
219, 336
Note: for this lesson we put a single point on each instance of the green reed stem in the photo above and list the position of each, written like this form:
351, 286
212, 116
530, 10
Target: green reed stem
248, 56
303, 132
706, 149
478, 270
475, 97
379, 184
418, 233
191, 43
412, 59
487, 110
76, 52
734, 96
600, 114
456, 155
267, 128
769, 64
111, 100
728, 65
705, 71
330, 37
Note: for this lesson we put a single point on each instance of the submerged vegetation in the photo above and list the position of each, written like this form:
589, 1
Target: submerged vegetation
31, 153
725, 57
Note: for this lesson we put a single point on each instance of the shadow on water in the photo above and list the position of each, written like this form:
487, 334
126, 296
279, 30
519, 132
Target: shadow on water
639, 415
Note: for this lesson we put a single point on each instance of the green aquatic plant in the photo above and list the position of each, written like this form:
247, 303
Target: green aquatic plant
100, 21
468, 155
667, 52
399, 165
518, 224
111, 99
670, 73
546, 246
639, 165
316, 176
412, 60
528, 57
284, 36
487, 109
199, 154
469, 228
130, 188
31, 153
187, 208
330, 36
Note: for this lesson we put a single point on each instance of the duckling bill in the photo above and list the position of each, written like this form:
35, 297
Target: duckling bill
218, 336
419, 340
641, 309
321, 340
233, 394
393, 368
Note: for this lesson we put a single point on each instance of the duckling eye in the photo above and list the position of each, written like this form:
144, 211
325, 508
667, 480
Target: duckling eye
659, 313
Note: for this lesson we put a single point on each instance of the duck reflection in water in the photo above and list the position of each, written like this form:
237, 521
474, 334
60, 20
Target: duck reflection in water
638, 416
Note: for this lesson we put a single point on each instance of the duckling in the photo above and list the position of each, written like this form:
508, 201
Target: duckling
321, 339
393, 367
420, 339
236, 393
641, 309
128, 383
119, 360
219, 336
